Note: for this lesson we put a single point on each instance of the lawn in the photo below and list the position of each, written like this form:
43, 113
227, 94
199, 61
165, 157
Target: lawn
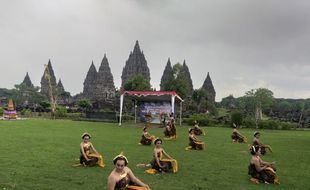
39, 154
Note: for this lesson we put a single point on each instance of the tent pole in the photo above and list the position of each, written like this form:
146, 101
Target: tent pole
135, 111
172, 103
181, 113
121, 110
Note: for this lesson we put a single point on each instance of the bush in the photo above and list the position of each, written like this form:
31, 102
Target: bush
1, 110
236, 118
249, 122
61, 111
26, 112
74, 116
268, 124
202, 119
274, 124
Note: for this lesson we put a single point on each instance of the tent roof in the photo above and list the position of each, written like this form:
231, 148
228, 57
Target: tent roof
152, 95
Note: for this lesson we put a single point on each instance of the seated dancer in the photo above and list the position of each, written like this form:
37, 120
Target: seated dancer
197, 129
256, 142
89, 155
167, 130
261, 171
170, 130
162, 162
194, 142
236, 135
122, 178
146, 139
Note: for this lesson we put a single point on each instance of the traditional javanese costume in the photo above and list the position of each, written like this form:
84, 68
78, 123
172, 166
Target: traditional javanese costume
95, 159
238, 138
170, 131
167, 163
125, 184
198, 131
262, 147
146, 140
267, 175
194, 144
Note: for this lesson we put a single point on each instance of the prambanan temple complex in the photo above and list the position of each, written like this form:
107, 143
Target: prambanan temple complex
99, 85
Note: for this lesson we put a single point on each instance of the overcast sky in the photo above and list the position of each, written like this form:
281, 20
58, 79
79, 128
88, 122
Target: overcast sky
243, 44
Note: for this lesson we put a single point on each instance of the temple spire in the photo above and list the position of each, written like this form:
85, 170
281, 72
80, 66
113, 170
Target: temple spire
104, 83
167, 77
137, 48
208, 86
27, 82
60, 86
89, 82
48, 71
135, 65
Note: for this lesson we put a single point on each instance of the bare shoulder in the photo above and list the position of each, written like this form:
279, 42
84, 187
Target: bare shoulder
254, 160
112, 177
126, 169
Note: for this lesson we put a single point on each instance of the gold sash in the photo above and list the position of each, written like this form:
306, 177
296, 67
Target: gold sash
99, 157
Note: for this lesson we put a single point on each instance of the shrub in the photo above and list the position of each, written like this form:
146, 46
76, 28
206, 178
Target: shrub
287, 125
237, 118
1, 110
61, 111
274, 124
202, 119
74, 116
26, 112
249, 122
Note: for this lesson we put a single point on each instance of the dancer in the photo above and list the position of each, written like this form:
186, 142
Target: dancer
122, 178
237, 136
194, 142
89, 155
260, 170
263, 147
162, 162
146, 138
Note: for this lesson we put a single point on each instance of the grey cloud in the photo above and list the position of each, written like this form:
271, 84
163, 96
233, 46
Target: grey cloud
243, 44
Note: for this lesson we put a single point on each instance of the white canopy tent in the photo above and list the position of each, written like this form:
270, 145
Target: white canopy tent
151, 96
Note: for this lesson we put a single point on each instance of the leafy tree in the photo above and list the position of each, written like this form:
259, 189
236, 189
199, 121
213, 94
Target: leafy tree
177, 69
228, 102
45, 105
84, 105
24, 95
182, 81
61, 111
200, 97
178, 81
236, 118
137, 83
256, 100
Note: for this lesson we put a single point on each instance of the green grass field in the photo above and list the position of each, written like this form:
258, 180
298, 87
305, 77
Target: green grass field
38, 154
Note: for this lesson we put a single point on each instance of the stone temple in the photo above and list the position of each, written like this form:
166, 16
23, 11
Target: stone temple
136, 64
58, 88
208, 86
44, 81
99, 85
27, 81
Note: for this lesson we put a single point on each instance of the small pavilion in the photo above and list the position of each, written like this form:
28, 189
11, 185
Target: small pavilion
149, 96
